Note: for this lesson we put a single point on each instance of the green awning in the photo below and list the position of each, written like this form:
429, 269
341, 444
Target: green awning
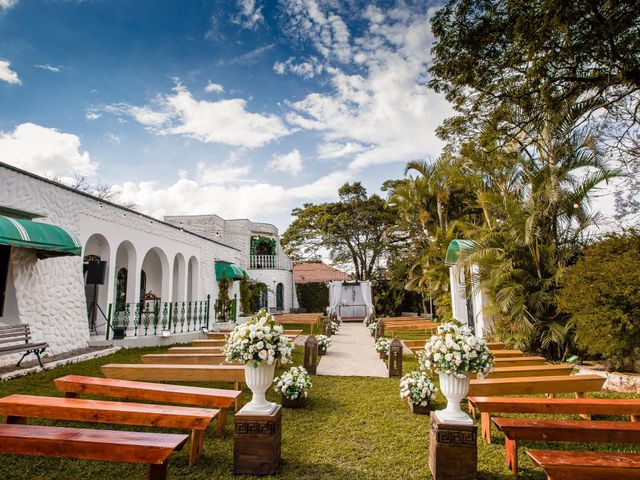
229, 271
47, 240
455, 247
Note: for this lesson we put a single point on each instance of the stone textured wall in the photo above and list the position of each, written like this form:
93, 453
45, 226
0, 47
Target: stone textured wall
50, 293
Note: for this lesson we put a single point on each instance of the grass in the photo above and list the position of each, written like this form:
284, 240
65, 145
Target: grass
350, 427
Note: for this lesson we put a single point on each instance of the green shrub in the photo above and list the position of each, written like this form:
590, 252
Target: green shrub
601, 292
313, 297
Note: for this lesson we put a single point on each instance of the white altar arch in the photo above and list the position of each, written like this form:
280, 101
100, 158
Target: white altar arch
350, 299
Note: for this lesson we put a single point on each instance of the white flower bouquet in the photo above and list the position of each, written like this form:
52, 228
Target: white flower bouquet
382, 345
260, 340
293, 384
455, 350
417, 389
372, 327
369, 319
334, 328
323, 341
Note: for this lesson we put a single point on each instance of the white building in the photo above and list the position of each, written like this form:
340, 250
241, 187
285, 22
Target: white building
159, 276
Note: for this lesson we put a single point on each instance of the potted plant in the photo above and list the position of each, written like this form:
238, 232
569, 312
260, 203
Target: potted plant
382, 347
372, 328
419, 392
334, 327
454, 352
324, 342
258, 345
293, 385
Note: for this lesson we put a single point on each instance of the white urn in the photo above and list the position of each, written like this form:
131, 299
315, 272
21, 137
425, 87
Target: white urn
259, 379
454, 388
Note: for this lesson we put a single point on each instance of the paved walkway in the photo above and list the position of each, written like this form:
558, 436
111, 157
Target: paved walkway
352, 353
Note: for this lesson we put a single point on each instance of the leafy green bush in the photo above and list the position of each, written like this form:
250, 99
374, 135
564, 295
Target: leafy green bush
601, 292
313, 297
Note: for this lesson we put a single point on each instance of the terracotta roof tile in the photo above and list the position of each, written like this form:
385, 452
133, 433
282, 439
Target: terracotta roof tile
314, 272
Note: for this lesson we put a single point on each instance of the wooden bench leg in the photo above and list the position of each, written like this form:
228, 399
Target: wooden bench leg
16, 420
222, 420
70, 395
157, 472
485, 426
635, 418
197, 441
511, 454
584, 416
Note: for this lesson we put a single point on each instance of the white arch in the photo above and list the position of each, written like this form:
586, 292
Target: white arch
126, 257
178, 290
98, 246
156, 267
192, 279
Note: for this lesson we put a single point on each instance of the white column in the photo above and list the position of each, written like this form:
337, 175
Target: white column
458, 294
483, 319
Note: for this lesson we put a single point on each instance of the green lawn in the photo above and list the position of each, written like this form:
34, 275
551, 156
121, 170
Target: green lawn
351, 428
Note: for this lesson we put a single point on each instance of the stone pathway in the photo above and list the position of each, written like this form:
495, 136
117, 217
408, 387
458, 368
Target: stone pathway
352, 354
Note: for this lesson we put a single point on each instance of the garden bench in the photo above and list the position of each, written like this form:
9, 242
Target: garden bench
551, 406
560, 465
175, 373
19, 408
17, 339
535, 385
518, 361
152, 449
195, 350
185, 358
507, 353
496, 345
208, 343
581, 431
74, 385
530, 371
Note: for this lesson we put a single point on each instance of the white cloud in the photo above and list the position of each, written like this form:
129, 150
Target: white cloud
7, 4
306, 70
92, 115
289, 162
113, 138
213, 87
381, 100
229, 171
6, 74
223, 121
250, 14
45, 151
248, 58
50, 68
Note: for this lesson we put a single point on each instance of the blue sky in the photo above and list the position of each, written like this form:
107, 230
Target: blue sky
244, 108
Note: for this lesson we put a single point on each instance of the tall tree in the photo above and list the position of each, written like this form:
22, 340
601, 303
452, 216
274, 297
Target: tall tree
353, 230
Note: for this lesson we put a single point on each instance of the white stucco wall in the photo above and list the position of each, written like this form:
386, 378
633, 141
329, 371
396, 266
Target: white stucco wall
50, 294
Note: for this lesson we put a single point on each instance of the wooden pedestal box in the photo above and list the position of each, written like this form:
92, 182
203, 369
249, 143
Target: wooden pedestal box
453, 450
256, 449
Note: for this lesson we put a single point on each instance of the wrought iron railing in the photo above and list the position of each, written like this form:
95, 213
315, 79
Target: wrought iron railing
153, 317
273, 262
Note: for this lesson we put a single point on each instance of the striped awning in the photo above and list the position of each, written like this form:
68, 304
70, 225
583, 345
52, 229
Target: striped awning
47, 240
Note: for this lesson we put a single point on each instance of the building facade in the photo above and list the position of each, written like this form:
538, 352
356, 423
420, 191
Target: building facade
136, 275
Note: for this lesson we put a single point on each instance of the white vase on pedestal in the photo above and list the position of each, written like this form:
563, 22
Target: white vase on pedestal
259, 379
454, 389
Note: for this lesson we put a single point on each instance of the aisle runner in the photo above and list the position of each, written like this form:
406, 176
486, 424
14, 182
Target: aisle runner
352, 353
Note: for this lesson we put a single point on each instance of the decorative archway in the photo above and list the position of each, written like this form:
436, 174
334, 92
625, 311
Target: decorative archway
97, 248
178, 287
156, 268
192, 279
280, 296
125, 281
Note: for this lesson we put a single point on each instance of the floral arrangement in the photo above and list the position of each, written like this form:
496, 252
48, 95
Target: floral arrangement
372, 327
369, 319
334, 328
417, 388
382, 345
455, 350
261, 339
323, 341
294, 383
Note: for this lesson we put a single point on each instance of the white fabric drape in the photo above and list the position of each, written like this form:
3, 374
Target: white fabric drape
366, 294
335, 291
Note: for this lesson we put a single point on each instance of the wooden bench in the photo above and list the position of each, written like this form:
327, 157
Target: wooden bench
195, 350
221, 335
582, 431
551, 406
184, 358
152, 449
507, 353
208, 343
560, 465
19, 408
496, 345
535, 385
530, 371
175, 373
74, 385
518, 361
16, 339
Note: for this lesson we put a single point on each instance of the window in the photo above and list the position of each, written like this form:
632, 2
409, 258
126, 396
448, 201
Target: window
5, 252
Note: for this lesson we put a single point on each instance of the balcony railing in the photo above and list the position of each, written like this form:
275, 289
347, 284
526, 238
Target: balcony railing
152, 317
273, 262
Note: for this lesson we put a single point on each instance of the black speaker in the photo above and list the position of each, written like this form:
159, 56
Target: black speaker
96, 271
118, 333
